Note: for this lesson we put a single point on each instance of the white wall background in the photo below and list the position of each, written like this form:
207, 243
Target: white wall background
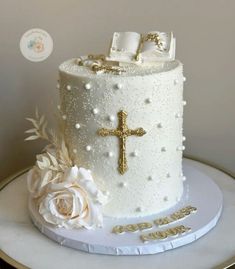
205, 44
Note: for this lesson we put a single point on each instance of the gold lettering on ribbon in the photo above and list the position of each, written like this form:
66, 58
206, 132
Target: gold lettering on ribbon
120, 229
180, 214
161, 235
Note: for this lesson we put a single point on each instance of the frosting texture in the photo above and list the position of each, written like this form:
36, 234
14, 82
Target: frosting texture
152, 97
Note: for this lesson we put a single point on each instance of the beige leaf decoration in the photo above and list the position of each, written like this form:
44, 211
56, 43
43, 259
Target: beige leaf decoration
44, 129
53, 159
46, 178
46, 161
36, 113
34, 122
33, 137
41, 119
64, 155
40, 165
31, 131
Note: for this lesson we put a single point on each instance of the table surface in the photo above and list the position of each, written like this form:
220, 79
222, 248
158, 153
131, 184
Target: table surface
22, 243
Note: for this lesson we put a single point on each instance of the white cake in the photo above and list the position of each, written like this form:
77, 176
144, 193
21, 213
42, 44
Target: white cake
152, 98
119, 153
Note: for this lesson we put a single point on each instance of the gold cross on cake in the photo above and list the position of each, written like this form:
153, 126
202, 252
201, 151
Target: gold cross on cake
122, 132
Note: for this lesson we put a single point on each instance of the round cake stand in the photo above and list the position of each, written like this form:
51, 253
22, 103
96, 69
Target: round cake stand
23, 245
200, 191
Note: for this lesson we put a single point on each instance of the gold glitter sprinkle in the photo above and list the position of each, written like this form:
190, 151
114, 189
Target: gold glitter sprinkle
122, 132
161, 235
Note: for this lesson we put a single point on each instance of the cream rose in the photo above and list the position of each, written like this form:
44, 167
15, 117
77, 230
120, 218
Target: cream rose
73, 203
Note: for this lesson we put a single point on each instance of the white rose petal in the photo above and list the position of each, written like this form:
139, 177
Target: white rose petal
73, 203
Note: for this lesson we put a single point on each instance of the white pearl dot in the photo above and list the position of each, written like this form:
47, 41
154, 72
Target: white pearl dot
148, 101
68, 87
165, 199
159, 125
181, 174
178, 115
176, 81
183, 178
168, 175
184, 79
95, 111
150, 178
183, 138
88, 148
122, 184
180, 148
134, 153
111, 118
87, 86
139, 209
118, 86
177, 199
107, 193
110, 154
163, 149
64, 117
75, 151
77, 126
58, 107
58, 86
184, 103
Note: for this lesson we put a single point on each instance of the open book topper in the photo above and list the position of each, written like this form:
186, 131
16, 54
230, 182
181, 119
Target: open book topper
132, 47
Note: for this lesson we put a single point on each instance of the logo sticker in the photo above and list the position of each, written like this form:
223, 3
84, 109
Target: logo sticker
36, 45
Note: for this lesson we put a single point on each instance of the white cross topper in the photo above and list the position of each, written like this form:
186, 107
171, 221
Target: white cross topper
132, 47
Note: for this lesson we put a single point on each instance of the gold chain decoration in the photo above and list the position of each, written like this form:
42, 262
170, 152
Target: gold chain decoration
117, 70
154, 37
91, 57
98, 64
122, 132
151, 37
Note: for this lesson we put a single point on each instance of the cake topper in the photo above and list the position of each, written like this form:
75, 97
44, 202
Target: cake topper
132, 48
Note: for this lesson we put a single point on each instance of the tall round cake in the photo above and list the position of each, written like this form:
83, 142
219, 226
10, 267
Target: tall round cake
142, 172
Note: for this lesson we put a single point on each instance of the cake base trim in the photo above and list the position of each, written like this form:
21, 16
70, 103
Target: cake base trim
199, 191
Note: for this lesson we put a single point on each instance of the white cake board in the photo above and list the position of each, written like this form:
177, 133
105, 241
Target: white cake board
199, 191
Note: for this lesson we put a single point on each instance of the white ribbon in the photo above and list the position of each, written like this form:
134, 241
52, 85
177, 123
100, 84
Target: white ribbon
132, 47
